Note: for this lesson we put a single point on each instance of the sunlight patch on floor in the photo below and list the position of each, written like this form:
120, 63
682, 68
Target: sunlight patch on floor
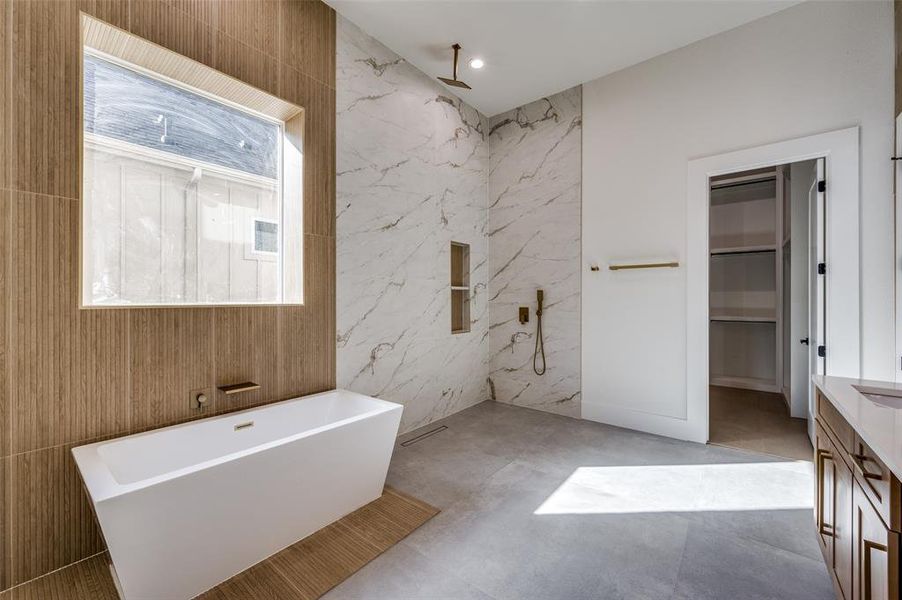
683, 488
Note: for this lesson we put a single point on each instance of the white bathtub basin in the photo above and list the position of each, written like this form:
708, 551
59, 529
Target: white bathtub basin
186, 507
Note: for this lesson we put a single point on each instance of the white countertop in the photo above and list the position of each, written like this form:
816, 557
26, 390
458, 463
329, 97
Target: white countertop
879, 426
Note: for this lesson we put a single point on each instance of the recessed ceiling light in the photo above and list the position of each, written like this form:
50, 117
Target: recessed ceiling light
476, 63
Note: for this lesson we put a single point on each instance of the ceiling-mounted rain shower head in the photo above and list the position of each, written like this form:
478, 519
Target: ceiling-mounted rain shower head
455, 82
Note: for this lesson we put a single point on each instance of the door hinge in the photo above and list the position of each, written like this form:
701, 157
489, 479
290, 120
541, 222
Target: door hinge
821, 268
822, 351
822, 186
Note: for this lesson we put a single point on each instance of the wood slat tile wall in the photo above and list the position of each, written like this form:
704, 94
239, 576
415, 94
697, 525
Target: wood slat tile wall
70, 376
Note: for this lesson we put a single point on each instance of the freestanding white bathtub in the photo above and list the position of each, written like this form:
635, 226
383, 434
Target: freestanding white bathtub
186, 507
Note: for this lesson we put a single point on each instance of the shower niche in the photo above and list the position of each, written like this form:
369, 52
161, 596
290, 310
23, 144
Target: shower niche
460, 287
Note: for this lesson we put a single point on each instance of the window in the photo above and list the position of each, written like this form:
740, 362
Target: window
266, 236
189, 196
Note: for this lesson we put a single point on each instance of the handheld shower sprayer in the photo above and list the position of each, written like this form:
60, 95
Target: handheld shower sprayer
540, 343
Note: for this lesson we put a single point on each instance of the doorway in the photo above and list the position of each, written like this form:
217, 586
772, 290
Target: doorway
765, 305
840, 150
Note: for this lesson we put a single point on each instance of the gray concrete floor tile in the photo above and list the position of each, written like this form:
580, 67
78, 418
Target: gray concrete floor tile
541, 506
717, 566
403, 573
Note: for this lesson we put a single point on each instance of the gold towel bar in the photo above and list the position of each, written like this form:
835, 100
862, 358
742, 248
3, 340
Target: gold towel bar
670, 265
237, 388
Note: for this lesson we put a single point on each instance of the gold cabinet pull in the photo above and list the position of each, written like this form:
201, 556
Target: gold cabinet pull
859, 460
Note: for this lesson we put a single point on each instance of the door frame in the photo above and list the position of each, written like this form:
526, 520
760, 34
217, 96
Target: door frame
840, 150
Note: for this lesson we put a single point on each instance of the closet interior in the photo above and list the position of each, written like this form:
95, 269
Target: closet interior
746, 279
758, 308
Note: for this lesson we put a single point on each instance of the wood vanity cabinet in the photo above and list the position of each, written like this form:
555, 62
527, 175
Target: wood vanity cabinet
833, 510
857, 510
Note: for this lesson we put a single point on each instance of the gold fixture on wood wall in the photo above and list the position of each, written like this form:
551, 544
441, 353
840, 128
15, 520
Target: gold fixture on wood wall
70, 377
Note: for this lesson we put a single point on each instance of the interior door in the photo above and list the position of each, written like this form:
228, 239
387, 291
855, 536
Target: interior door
817, 284
898, 192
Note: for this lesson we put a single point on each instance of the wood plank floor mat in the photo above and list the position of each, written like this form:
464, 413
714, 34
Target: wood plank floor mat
305, 570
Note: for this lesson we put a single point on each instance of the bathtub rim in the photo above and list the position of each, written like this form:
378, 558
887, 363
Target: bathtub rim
101, 484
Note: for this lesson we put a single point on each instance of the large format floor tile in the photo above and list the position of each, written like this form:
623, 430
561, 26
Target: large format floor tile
541, 506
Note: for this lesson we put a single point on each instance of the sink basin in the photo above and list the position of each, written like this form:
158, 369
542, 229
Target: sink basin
889, 397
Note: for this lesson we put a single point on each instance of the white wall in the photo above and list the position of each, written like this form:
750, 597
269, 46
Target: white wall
815, 67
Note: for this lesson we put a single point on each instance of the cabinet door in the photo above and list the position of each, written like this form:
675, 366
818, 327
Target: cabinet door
825, 493
875, 553
843, 533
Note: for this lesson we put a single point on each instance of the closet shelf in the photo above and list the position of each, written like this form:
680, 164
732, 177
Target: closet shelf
740, 315
748, 383
742, 319
756, 249
753, 177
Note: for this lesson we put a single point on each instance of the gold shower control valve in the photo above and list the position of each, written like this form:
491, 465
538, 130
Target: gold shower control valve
524, 315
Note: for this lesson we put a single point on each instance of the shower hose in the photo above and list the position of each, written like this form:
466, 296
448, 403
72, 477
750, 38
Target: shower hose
540, 343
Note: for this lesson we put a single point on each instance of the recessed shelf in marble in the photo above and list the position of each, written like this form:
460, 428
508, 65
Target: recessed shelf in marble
460, 287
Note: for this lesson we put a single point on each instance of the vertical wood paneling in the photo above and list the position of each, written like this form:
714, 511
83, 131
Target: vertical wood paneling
319, 149
96, 395
308, 39
292, 331
319, 300
239, 60
170, 354
252, 22
68, 367
44, 128
5, 265
39, 340
160, 23
114, 12
6, 22
204, 11
246, 350
70, 376
51, 522
5, 538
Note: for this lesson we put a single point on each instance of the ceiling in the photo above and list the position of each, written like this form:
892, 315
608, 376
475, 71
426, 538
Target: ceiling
533, 48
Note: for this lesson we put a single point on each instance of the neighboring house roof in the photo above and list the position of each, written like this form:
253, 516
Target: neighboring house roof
126, 105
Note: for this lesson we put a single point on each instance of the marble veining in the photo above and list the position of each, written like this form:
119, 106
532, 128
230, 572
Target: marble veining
534, 242
412, 164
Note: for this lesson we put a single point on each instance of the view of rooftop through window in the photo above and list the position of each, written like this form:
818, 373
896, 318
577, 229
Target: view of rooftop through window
184, 201
126, 105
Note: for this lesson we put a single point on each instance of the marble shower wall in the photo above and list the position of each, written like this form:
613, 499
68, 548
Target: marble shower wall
534, 242
412, 175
